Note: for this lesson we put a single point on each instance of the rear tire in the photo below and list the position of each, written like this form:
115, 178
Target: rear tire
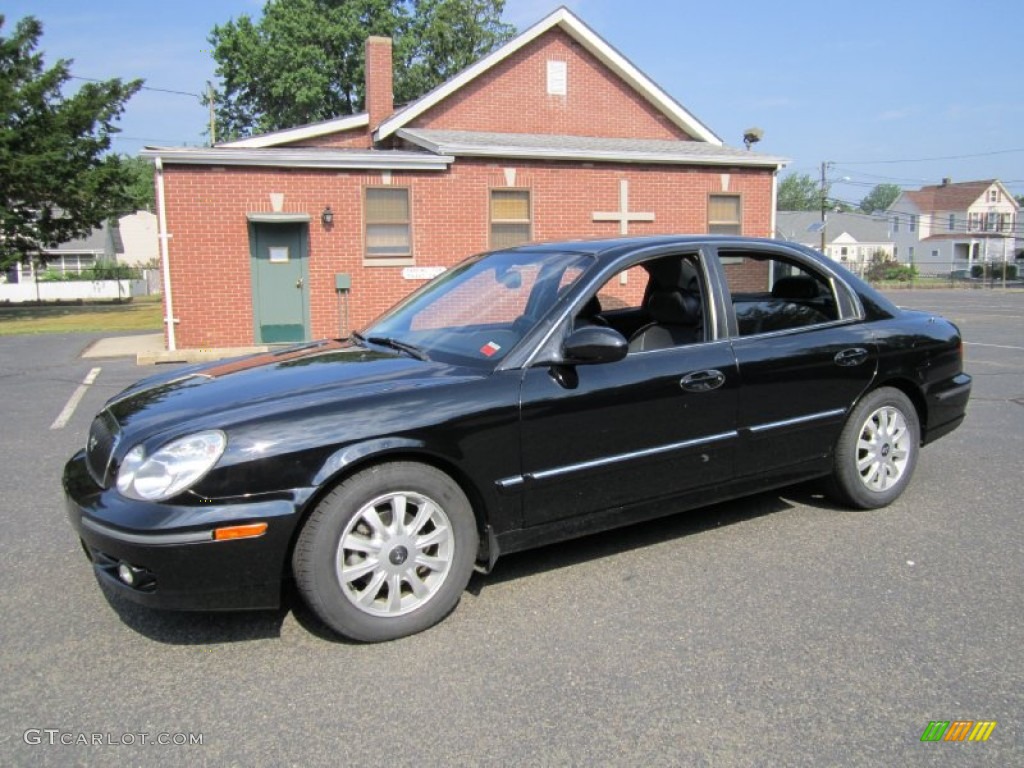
877, 450
388, 552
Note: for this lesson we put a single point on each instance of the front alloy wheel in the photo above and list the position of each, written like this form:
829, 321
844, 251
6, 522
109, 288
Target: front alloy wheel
387, 552
395, 554
877, 450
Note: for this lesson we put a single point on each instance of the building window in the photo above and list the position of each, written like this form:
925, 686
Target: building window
991, 222
974, 222
510, 217
913, 223
993, 195
1004, 222
952, 222
896, 223
935, 253
388, 224
724, 215
910, 252
68, 263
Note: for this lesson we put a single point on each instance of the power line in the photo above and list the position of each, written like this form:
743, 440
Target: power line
981, 225
208, 98
144, 87
902, 180
929, 159
119, 137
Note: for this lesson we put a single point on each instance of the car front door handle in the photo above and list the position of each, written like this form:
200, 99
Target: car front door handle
853, 356
298, 283
702, 381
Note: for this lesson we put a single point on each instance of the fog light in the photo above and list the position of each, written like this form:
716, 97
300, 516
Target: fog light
127, 574
136, 577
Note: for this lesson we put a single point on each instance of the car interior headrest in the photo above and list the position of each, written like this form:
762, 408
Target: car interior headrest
591, 308
795, 287
674, 308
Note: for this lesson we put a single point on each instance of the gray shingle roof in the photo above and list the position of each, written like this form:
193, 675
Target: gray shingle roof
794, 226
589, 148
104, 240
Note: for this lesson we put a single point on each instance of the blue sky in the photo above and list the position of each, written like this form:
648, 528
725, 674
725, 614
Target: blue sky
881, 89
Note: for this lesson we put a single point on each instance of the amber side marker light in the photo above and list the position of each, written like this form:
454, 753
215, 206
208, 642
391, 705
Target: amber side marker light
240, 532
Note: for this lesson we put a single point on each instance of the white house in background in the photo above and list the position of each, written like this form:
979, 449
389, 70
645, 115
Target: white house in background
952, 226
139, 236
850, 238
131, 241
102, 244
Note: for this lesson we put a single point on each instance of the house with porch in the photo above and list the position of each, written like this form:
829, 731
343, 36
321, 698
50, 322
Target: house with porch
954, 225
73, 257
312, 231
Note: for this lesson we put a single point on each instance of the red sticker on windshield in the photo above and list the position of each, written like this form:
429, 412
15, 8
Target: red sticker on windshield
489, 349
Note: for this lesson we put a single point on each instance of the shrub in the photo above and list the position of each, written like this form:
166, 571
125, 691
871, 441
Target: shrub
102, 270
884, 268
994, 270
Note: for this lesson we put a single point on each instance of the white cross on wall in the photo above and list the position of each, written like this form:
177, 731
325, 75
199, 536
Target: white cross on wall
623, 215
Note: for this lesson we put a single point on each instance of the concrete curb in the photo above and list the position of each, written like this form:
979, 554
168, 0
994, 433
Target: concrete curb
148, 349
195, 355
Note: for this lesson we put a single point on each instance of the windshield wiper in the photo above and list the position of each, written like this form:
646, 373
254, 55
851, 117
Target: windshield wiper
402, 346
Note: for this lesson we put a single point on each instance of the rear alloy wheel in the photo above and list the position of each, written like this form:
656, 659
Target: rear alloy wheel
388, 552
877, 450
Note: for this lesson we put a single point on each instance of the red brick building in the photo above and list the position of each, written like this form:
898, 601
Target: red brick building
312, 231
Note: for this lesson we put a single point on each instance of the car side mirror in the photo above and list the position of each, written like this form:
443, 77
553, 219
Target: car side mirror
594, 344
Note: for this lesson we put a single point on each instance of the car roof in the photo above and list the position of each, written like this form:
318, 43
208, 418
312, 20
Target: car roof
603, 244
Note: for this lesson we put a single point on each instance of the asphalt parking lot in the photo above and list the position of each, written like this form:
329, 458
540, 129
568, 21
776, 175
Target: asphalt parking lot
775, 631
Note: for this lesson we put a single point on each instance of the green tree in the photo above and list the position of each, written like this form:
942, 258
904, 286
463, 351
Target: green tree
799, 192
56, 180
303, 60
141, 196
880, 198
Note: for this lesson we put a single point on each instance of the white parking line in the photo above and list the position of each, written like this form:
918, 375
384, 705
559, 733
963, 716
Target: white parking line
76, 397
994, 346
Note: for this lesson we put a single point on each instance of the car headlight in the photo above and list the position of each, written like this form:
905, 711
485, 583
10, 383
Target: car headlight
172, 469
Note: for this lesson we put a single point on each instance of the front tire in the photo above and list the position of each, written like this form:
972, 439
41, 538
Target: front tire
388, 552
877, 450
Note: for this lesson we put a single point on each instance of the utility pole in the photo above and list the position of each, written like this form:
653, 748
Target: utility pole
213, 122
824, 168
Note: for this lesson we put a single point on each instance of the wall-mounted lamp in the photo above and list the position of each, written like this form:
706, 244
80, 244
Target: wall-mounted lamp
327, 216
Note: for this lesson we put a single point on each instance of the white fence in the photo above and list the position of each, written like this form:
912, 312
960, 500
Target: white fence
96, 290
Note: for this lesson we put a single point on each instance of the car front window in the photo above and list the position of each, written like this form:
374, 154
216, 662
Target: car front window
477, 311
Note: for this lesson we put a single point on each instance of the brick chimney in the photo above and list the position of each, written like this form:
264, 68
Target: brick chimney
380, 101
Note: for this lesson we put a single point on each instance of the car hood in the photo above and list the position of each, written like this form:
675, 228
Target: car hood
237, 390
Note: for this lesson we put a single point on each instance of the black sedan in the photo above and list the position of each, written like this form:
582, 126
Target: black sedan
522, 397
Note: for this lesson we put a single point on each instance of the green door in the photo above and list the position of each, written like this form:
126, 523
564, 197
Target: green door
280, 282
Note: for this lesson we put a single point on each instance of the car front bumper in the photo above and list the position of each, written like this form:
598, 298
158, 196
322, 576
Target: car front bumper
171, 549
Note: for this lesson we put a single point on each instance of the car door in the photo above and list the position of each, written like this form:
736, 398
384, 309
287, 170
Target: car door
649, 426
803, 355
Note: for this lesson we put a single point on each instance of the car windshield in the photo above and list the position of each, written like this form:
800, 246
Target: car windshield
477, 311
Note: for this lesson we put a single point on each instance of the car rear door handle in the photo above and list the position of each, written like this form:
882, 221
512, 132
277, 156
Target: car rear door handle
852, 356
702, 381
